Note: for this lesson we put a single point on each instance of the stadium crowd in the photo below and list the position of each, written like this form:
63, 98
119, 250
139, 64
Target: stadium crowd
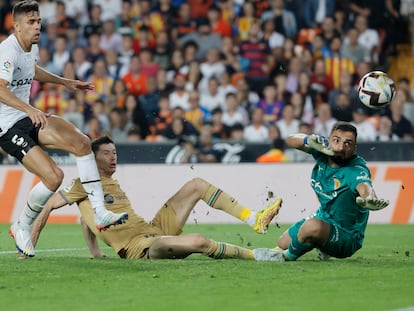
209, 70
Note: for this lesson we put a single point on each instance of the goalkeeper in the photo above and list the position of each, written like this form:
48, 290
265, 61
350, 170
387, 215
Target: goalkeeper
341, 181
159, 239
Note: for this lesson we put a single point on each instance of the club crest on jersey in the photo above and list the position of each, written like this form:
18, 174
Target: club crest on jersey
337, 183
6, 66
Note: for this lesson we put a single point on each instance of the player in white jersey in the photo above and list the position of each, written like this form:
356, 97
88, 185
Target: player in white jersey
25, 130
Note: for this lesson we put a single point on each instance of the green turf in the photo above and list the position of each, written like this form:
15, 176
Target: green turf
378, 277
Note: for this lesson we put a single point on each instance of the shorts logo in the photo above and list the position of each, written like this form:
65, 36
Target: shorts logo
19, 141
109, 198
7, 65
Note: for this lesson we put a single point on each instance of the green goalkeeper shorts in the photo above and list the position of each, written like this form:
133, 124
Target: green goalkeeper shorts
341, 244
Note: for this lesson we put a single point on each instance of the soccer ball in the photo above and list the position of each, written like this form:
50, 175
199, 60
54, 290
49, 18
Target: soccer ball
376, 90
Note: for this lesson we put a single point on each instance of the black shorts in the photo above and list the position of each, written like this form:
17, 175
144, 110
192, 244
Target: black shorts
20, 138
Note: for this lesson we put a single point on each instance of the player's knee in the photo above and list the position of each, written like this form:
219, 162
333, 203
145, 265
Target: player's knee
284, 240
81, 145
199, 242
312, 231
54, 179
198, 185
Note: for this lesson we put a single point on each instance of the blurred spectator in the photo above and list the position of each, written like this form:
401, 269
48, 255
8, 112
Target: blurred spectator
124, 21
288, 124
211, 67
148, 66
308, 97
184, 24
256, 54
167, 11
163, 46
197, 114
133, 135
120, 125
294, 69
47, 10
275, 154
118, 94
94, 51
102, 81
245, 96
229, 57
342, 108
335, 62
73, 37
111, 9
320, 82
62, 20
199, 8
144, 39
46, 62
149, 101
219, 130
315, 11
203, 38
126, 50
218, 25
189, 52
270, 104
73, 113
233, 112
116, 69
285, 20
270, 34
324, 121
368, 37
372, 10
100, 110
150, 20
77, 10
95, 22
135, 80
48, 37
212, 98
164, 116
345, 87
60, 55
366, 131
274, 131
179, 96
237, 133
177, 65
109, 39
51, 100
401, 126
81, 65
385, 130
329, 31
256, 131
352, 49
180, 129
225, 85
93, 128
245, 21
203, 151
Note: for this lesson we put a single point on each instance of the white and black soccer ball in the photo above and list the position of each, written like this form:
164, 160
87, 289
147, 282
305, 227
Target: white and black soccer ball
376, 90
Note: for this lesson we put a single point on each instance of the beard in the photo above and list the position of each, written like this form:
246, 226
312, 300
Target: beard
341, 160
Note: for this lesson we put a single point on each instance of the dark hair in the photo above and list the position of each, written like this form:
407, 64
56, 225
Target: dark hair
103, 140
345, 127
24, 7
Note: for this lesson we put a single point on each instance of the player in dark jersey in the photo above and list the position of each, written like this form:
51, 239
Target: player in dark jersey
342, 182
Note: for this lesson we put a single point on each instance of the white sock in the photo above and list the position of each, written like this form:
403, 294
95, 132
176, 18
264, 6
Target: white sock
91, 181
38, 197
251, 221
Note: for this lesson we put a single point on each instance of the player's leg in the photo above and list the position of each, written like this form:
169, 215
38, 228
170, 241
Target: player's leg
198, 189
62, 135
177, 247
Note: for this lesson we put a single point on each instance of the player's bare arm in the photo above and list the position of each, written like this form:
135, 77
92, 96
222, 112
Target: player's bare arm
56, 201
368, 199
91, 241
38, 117
45, 76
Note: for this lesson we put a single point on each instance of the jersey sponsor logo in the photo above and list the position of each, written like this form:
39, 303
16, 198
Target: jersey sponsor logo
21, 82
109, 198
69, 187
7, 65
19, 141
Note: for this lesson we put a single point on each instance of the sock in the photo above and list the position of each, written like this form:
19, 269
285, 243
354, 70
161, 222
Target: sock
217, 198
220, 250
297, 248
91, 181
37, 199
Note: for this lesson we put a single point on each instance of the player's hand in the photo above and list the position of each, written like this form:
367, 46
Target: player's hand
319, 143
38, 117
372, 203
75, 85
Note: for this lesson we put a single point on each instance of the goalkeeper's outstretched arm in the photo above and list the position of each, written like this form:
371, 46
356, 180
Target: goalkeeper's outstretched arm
307, 142
368, 199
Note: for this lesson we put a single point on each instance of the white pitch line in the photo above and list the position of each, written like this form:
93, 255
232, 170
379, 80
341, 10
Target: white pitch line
50, 250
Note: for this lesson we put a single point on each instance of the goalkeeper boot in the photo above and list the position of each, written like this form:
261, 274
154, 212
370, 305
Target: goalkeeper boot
109, 219
267, 254
22, 237
265, 216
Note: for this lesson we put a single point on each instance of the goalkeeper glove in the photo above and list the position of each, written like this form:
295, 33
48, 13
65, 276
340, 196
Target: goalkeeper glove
319, 143
372, 203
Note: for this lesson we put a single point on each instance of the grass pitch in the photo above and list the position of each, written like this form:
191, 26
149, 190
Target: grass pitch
62, 277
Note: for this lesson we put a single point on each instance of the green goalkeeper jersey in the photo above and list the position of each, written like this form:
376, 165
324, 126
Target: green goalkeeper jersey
336, 192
